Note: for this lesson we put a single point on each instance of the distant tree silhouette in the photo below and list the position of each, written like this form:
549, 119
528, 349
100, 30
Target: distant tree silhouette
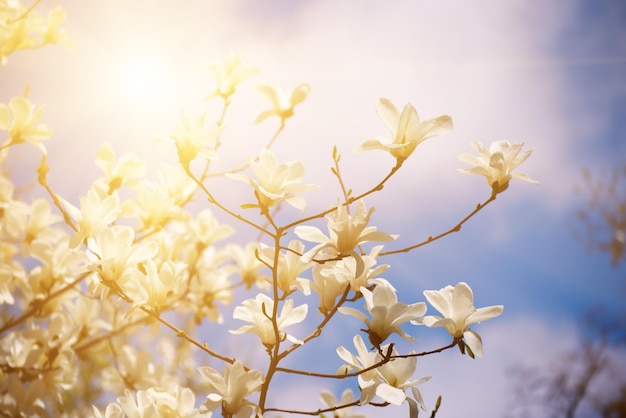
589, 381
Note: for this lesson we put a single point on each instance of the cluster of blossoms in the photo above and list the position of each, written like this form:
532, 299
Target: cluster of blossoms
21, 28
86, 288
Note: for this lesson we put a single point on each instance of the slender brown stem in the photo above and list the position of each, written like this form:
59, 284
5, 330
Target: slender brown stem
246, 165
376, 188
224, 208
23, 15
182, 334
318, 330
322, 410
109, 335
39, 304
456, 228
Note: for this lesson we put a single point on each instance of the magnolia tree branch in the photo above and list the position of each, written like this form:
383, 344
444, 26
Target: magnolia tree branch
37, 305
456, 228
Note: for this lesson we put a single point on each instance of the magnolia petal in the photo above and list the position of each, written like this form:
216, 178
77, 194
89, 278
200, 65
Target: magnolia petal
438, 299
310, 233
524, 177
417, 395
390, 394
346, 310
475, 343
388, 113
297, 202
372, 144
482, 314
293, 316
379, 236
299, 94
5, 116
462, 297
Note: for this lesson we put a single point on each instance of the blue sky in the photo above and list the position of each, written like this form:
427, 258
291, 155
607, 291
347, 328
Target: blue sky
552, 76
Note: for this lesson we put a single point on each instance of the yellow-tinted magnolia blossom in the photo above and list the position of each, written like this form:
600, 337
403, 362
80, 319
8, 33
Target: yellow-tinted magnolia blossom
456, 304
258, 311
497, 163
276, 182
22, 29
345, 233
283, 103
407, 129
229, 76
20, 119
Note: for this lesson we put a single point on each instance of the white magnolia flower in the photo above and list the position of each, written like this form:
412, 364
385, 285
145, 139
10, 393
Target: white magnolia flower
96, 212
389, 380
345, 233
407, 129
456, 304
497, 163
113, 253
229, 76
258, 312
363, 360
283, 103
387, 313
276, 182
230, 390
395, 378
328, 285
347, 397
290, 267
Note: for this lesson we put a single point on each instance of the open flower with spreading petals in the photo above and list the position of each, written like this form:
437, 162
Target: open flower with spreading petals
283, 103
345, 233
407, 129
155, 285
387, 313
193, 138
113, 253
95, 213
456, 304
347, 398
395, 379
276, 182
229, 76
364, 359
52, 32
389, 380
290, 266
229, 390
258, 312
497, 163
20, 119
118, 172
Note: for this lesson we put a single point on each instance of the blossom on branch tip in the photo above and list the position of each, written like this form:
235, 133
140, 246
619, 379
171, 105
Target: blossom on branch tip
290, 266
389, 380
497, 162
407, 129
456, 304
229, 390
193, 138
123, 171
276, 182
283, 102
347, 397
258, 312
345, 233
95, 213
229, 76
20, 119
387, 313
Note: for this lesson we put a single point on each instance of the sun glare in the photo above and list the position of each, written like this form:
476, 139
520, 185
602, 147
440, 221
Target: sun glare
140, 78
